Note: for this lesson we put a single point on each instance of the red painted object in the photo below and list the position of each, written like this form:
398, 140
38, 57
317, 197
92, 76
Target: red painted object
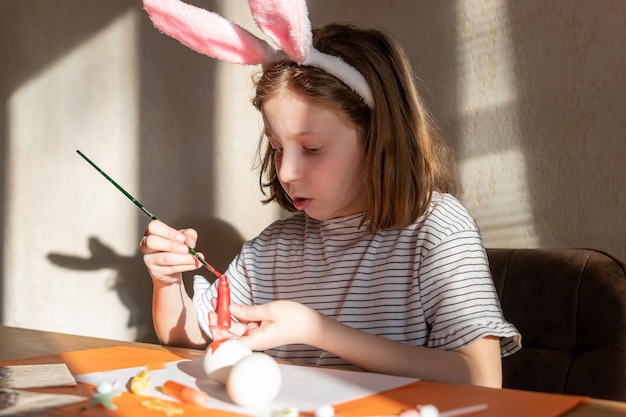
223, 303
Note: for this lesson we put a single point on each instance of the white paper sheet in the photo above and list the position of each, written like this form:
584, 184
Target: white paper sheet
303, 387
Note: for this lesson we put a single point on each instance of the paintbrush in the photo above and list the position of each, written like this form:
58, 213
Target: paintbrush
223, 295
148, 213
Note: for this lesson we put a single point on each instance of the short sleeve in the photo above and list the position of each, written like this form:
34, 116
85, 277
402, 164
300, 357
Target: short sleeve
459, 298
203, 291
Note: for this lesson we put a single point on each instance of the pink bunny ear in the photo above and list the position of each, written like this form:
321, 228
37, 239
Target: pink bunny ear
287, 23
207, 33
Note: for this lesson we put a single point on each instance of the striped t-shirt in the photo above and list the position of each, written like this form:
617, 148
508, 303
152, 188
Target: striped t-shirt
428, 284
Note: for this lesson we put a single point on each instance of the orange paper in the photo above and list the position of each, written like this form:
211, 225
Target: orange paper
500, 402
510, 403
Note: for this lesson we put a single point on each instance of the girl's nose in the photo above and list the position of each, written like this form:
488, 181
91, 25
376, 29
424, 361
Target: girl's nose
289, 167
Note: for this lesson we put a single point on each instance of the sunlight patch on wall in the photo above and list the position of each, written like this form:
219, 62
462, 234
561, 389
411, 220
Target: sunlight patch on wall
57, 205
497, 197
491, 162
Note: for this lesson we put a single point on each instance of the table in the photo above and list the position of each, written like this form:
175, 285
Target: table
18, 343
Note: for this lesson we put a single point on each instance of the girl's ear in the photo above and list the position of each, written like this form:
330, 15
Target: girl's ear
208, 33
287, 23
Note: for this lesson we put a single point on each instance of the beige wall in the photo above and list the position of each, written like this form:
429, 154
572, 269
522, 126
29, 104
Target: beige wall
530, 92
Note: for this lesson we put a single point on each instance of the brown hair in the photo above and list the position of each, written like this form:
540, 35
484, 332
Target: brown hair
405, 156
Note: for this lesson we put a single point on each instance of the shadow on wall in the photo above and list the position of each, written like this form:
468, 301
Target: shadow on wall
34, 48
132, 282
570, 82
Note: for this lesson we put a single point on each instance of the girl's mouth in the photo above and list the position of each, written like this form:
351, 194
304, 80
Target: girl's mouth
301, 203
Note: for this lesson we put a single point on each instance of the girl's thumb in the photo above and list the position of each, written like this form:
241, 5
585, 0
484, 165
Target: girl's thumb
240, 311
256, 312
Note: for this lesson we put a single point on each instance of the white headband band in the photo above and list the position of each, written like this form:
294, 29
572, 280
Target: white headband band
286, 22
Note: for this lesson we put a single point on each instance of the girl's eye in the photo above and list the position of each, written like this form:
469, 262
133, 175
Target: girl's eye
311, 150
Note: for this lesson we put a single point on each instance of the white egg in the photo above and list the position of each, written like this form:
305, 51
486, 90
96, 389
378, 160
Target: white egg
325, 411
254, 380
221, 356
428, 411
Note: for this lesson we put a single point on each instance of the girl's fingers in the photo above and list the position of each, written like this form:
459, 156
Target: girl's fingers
166, 252
161, 238
155, 243
157, 227
253, 313
236, 329
184, 236
164, 264
189, 237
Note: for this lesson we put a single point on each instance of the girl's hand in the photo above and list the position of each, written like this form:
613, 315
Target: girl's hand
277, 323
166, 252
236, 328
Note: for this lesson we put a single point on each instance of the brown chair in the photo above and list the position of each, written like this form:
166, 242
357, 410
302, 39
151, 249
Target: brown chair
570, 307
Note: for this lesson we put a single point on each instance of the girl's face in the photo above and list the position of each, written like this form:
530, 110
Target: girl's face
318, 155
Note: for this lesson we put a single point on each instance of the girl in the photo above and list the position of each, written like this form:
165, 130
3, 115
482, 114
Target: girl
380, 267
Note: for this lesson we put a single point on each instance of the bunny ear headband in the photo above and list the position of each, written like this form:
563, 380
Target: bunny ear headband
286, 22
